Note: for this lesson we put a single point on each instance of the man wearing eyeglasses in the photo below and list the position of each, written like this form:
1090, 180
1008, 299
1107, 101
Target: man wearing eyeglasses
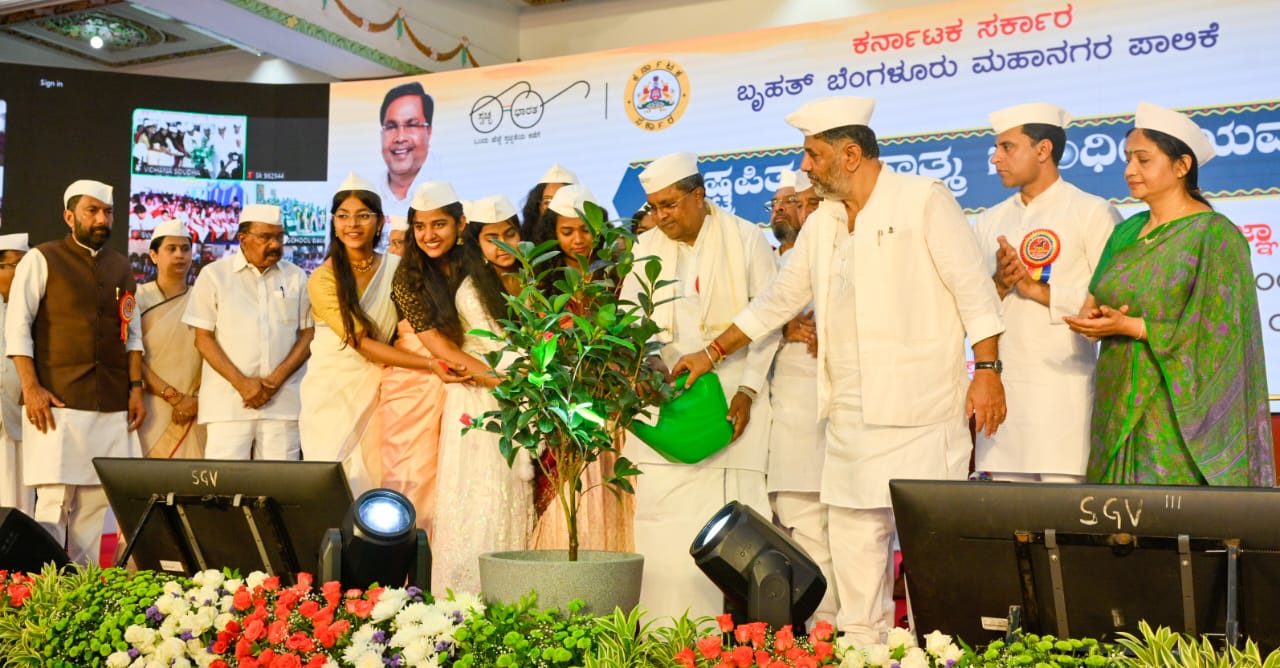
783, 210
717, 262
405, 120
72, 335
253, 328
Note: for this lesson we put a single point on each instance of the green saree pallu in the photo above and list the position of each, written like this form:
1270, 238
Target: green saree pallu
1189, 405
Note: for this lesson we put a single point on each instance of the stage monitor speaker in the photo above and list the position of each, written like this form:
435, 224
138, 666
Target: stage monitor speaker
25, 545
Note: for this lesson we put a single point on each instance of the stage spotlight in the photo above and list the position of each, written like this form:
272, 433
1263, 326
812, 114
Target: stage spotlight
25, 545
378, 542
762, 572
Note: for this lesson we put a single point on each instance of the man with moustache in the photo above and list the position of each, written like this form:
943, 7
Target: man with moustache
405, 117
782, 212
71, 332
897, 281
254, 328
1041, 246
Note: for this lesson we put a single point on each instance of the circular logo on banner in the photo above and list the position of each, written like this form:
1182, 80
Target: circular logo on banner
657, 95
1040, 247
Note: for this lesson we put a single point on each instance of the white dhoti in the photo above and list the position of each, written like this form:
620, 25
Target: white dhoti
242, 440
673, 503
70, 502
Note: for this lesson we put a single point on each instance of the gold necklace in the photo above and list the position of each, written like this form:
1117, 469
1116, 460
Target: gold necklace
1150, 236
364, 267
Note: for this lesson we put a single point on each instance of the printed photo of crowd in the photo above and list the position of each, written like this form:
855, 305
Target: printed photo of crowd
175, 143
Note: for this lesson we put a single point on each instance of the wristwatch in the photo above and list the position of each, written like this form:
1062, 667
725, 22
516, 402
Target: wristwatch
995, 365
135, 384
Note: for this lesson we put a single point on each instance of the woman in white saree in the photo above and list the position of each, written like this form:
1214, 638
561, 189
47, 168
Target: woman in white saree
355, 318
171, 368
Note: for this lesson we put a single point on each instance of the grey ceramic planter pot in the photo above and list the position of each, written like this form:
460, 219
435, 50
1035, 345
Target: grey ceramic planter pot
603, 580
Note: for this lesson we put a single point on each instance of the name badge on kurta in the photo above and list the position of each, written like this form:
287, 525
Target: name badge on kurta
1038, 251
128, 304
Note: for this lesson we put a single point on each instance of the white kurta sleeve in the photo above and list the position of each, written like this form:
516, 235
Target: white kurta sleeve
29, 279
788, 293
134, 332
954, 249
1066, 299
305, 319
202, 305
761, 269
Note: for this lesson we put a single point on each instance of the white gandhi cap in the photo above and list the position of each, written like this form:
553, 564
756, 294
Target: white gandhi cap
14, 242
1032, 112
558, 174
433, 195
356, 182
95, 189
667, 170
831, 112
492, 209
170, 228
570, 200
267, 214
1177, 124
399, 223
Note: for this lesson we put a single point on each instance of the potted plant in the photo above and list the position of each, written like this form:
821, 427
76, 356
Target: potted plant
577, 377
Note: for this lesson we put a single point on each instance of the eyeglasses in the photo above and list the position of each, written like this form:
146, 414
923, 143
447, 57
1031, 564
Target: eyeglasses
391, 127
396, 243
364, 217
669, 206
789, 199
267, 237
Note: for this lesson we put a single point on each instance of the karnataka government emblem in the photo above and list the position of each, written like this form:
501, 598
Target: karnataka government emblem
657, 95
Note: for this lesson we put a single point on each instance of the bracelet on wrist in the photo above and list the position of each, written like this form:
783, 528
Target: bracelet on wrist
751, 394
707, 352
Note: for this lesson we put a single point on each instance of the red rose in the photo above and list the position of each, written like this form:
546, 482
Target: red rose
822, 650
686, 658
709, 647
466, 420
278, 631
244, 648
763, 658
305, 580
805, 662
218, 663
309, 609
254, 630
341, 626
242, 600
316, 661
821, 631
272, 583
220, 647
266, 657
249, 662
726, 622
784, 640
742, 657
300, 642
286, 661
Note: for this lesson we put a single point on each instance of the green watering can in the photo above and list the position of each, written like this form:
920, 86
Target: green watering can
692, 426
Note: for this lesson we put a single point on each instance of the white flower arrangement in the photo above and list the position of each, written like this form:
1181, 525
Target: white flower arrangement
900, 650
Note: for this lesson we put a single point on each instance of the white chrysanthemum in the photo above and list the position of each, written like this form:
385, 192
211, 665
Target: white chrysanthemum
140, 636
389, 603
119, 660
914, 658
935, 642
853, 659
226, 603
181, 662
900, 637
221, 621
437, 625
196, 649
255, 579
951, 654
211, 578
877, 655
363, 635
368, 660
169, 649
415, 653
414, 613
173, 588
468, 603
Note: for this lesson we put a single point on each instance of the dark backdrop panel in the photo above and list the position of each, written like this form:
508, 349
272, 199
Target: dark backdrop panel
66, 124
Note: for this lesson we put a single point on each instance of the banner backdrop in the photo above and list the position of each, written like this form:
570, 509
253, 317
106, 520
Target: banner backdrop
936, 72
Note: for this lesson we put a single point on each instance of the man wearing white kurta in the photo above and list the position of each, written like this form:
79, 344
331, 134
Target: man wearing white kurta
897, 281
718, 262
254, 329
797, 441
71, 332
1041, 246
13, 493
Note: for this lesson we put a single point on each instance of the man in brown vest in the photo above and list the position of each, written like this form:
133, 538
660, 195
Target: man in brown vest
71, 332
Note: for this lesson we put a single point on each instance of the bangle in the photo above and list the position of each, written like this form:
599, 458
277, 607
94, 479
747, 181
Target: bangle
1142, 336
751, 394
714, 361
719, 348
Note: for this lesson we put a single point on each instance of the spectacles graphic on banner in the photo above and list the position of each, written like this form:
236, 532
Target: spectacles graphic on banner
526, 107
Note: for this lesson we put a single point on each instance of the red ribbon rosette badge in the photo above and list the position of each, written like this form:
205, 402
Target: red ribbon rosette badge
1040, 248
128, 304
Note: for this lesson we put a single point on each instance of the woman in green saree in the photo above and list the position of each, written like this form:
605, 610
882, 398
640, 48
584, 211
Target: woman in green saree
1181, 393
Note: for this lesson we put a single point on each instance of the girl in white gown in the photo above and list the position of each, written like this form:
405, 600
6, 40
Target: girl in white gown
482, 504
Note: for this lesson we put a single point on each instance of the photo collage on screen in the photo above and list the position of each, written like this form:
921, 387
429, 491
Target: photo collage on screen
191, 166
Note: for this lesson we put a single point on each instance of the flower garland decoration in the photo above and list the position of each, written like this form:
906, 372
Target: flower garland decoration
397, 21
